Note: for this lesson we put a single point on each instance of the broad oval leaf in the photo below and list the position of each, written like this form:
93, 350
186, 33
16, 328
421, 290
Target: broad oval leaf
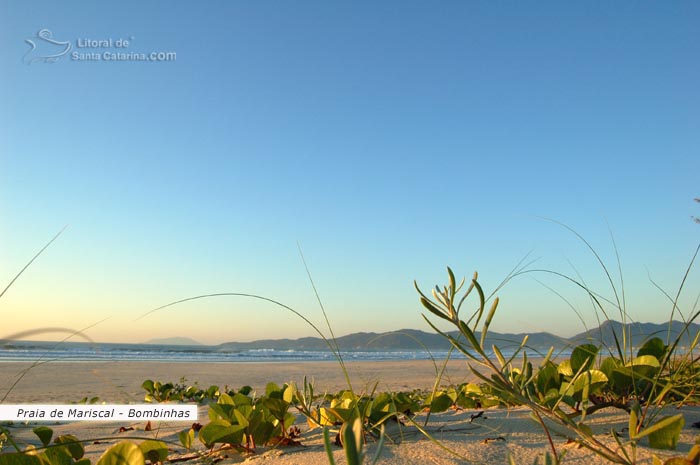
608, 366
75, 448
262, 432
44, 433
383, 402
186, 438
326, 417
472, 387
122, 453
583, 356
654, 346
548, 377
273, 390
565, 368
440, 403
664, 434
644, 360
57, 456
155, 451
594, 379
220, 431
277, 407
242, 417
241, 399
222, 412
288, 394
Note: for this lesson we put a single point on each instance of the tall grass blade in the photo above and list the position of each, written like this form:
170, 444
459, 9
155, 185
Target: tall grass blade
339, 355
40, 360
331, 346
32, 261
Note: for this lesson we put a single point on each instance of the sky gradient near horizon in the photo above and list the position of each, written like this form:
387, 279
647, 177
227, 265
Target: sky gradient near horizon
387, 139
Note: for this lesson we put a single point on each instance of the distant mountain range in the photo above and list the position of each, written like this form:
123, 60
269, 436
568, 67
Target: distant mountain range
637, 332
412, 339
395, 345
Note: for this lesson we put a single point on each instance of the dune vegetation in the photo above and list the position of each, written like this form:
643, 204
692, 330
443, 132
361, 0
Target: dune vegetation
563, 392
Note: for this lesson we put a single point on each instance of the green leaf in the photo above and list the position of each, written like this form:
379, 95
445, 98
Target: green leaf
220, 431
583, 357
664, 434
440, 403
433, 309
451, 277
277, 407
403, 402
382, 403
564, 368
273, 390
241, 417
638, 369
148, 385
288, 394
44, 433
633, 421
18, 458
326, 446
487, 321
222, 411
482, 301
155, 451
469, 334
608, 365
548, 377
122, 453
654, 347
352, 441
261, 429
593, 380
75, 447
644, 361
245, 390
694, 454
289, 420
241, 399
58, 456
186, 438
465, 401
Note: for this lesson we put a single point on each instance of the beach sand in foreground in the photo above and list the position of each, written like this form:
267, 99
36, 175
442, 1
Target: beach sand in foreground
489, 439
61, 382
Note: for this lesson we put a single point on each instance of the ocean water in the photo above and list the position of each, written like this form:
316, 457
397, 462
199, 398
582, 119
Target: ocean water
30, 351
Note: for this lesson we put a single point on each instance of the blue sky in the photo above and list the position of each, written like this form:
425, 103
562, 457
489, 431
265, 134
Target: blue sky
389, 139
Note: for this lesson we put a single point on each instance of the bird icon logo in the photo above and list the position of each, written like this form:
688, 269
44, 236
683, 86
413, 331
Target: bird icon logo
45, 48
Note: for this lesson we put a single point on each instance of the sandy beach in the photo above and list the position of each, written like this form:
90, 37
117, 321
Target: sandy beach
121, 381
489, 439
